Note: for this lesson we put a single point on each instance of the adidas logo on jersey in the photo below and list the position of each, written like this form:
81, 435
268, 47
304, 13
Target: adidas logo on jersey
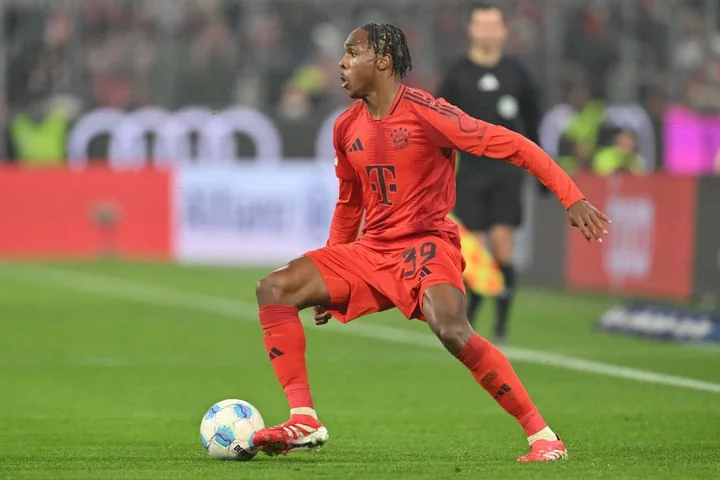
357, 146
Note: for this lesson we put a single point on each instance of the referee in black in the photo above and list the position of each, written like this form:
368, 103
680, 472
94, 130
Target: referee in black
494, 87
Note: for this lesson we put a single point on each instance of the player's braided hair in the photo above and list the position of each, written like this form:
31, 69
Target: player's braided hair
390, 40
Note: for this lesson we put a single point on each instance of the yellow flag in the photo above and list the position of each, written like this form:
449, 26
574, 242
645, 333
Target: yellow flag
482, 273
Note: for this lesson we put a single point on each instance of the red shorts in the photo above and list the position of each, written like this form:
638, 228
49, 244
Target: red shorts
393, 275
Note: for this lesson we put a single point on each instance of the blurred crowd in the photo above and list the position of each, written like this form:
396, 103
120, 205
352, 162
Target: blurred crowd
63, 58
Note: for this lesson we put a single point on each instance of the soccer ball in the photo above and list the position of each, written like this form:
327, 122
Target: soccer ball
227, 429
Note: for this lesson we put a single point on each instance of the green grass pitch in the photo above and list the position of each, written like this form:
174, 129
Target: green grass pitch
107, 368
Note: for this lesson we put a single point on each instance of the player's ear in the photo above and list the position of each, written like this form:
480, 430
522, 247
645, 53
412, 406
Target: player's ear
383, 62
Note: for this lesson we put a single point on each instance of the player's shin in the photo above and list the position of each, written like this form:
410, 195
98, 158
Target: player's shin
285, 344
493, 372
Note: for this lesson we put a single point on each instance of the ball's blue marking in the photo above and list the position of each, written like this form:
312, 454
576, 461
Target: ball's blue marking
224, 436
205, 443
242, 411
211, 413
250, 443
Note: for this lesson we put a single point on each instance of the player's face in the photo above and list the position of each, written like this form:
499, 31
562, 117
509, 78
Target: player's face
358, 65
487, 28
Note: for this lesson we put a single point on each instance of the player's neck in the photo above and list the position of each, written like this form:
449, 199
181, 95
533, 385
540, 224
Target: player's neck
379, 102
485, 57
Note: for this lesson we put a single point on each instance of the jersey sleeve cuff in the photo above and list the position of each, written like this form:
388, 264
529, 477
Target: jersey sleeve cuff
575, 196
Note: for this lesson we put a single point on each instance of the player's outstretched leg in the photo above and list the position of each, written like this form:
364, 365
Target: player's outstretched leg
443, 307
281, 295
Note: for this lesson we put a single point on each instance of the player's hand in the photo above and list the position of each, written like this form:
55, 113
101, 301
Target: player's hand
320, 315
592, 222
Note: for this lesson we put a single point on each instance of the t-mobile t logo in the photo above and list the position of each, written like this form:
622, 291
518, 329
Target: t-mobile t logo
381, 180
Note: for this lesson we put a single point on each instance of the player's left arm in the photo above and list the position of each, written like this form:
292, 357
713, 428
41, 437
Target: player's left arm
450, 127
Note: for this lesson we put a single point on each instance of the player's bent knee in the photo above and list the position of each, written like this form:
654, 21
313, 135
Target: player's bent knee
444, 311
265, 290
274, 289
453, 332
299, 284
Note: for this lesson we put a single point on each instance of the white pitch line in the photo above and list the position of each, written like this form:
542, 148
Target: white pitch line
167, 297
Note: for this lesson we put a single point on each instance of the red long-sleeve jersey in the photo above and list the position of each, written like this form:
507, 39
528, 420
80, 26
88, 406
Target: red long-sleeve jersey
400, 169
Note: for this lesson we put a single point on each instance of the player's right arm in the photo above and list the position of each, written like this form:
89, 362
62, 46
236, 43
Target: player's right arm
349, 207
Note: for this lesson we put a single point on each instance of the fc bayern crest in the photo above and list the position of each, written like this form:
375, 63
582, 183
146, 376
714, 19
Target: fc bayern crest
400, 137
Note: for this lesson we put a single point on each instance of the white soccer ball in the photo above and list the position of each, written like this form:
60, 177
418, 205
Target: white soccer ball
227, 429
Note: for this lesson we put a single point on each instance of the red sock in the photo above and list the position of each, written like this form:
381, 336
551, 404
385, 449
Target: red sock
285, 343
493, 372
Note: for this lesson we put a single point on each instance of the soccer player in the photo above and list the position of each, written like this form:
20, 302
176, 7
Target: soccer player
395, 160
493, 86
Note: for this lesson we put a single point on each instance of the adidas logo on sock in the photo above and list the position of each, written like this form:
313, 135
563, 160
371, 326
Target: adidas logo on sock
275, 352
357, 146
